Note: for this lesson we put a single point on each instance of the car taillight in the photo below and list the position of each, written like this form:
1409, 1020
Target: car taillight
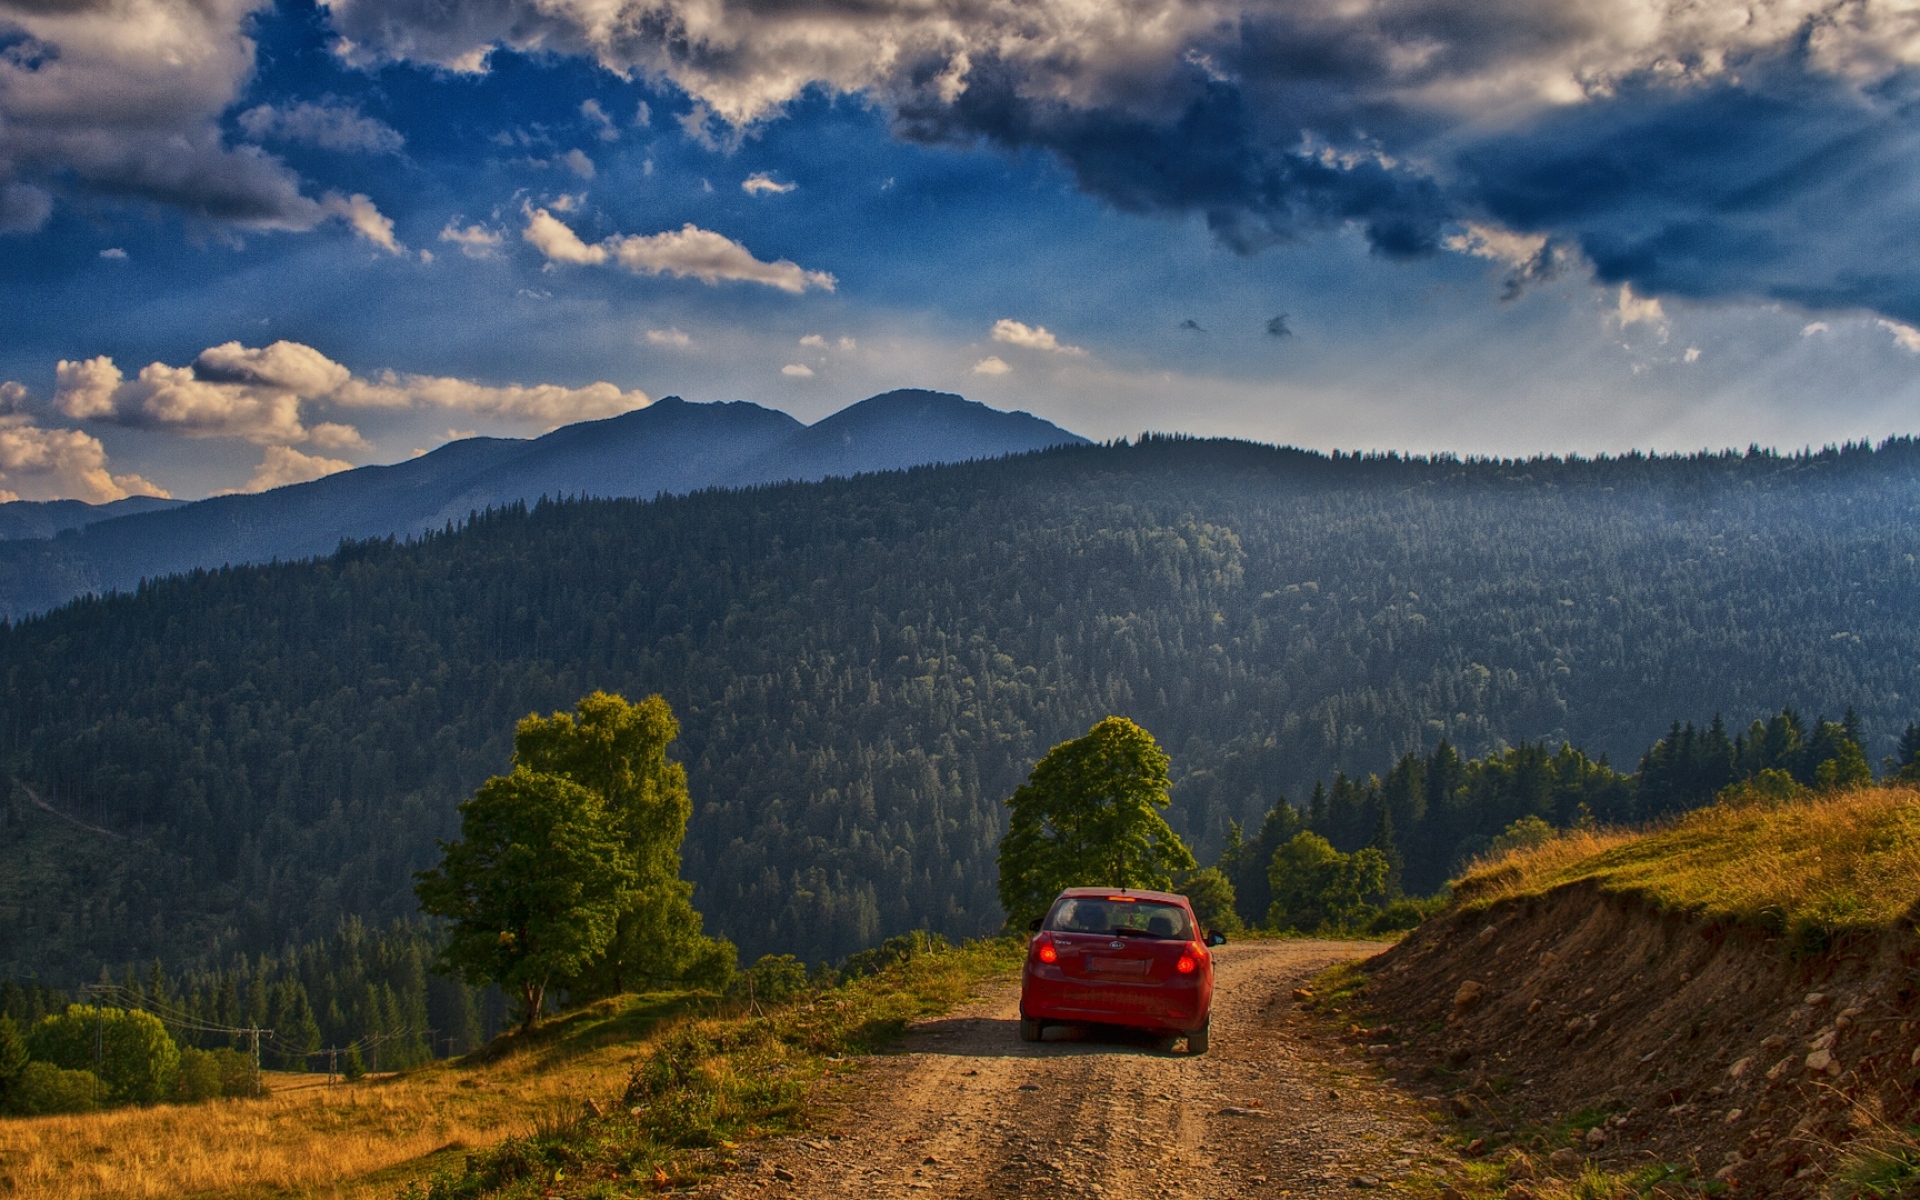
1188, 964
1046, 953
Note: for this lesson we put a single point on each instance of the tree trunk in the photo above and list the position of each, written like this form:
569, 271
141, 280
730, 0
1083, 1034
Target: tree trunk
532, 995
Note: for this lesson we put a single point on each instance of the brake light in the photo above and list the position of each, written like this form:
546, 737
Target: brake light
1045, 951
1186, 965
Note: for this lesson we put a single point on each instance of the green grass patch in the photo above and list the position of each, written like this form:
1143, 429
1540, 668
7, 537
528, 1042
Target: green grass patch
1809, 869
1885, 1166
708, 1082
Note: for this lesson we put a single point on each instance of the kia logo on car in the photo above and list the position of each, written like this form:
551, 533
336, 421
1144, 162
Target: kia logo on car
1116, 945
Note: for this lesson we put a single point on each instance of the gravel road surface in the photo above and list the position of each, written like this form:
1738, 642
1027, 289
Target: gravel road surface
1278, 1107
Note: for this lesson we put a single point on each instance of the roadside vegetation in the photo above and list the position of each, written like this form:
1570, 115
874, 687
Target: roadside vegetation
1813, 866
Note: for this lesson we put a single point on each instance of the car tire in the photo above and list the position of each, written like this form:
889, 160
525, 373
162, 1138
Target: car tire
1197, 1040
1031, 1030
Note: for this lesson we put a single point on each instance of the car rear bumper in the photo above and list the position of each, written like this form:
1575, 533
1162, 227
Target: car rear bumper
1171, 1007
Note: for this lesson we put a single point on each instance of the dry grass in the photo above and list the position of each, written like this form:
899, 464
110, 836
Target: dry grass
350, 1140
1819, 866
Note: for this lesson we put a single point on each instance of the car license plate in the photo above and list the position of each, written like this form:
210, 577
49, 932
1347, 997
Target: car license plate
1116, 966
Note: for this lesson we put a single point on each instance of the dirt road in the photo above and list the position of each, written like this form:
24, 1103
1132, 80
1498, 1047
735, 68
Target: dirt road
965, 1109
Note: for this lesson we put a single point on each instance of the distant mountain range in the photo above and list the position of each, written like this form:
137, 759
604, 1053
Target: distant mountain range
57, 551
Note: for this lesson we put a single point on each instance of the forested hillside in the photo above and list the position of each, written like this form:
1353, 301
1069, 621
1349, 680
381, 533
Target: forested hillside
865, 669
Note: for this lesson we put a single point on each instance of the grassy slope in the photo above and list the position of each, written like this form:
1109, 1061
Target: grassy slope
517, 1113
1812, 868
706, 1084
307, 1138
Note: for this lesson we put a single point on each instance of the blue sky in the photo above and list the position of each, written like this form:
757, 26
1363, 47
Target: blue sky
243, 244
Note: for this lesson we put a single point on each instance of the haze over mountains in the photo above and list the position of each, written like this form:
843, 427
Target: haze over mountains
671, 447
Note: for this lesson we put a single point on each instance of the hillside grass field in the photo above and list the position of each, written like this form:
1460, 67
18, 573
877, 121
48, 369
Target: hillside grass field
1812, 868
350, 1140
447, 1120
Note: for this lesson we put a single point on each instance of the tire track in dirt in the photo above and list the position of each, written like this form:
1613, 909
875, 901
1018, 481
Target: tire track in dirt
965, 1109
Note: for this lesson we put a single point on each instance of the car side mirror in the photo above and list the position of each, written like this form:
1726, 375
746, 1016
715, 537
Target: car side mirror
1034, 924
1216, 938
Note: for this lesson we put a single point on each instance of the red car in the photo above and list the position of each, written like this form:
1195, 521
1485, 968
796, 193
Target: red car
1115, 956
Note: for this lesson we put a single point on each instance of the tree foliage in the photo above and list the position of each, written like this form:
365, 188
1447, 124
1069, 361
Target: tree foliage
618, 751
129, 1051
864, 669
1089, 816
533, 889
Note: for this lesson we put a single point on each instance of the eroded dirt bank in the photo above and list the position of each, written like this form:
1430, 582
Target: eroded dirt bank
965, 1109
1655, 1038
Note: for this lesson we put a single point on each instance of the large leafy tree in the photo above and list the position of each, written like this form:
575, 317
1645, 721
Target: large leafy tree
131, 1051
618, 751
1089, 815
533, 889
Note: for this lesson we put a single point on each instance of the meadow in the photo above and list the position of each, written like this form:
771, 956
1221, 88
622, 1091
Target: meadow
311, 1138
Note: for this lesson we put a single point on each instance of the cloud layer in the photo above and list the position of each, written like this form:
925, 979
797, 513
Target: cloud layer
283, 393
1695, 149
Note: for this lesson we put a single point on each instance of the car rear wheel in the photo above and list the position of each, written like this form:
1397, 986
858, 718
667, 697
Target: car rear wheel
1197, 1040
1031, 1030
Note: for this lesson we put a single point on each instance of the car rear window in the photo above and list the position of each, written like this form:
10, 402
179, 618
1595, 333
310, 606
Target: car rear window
1122, 915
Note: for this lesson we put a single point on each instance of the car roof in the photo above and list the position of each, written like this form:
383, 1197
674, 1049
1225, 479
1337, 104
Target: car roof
1131, 893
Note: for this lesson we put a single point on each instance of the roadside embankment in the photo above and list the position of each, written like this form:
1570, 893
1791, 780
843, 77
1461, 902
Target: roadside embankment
1731, 998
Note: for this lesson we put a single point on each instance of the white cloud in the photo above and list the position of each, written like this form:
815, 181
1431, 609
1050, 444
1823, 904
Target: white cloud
1813, 327
1500, 245
13, 397
1636, 310
1032, 337
475, 241
643, 116
57, 464
554, 239
669, 337
114, 253
596, 116
797, 370
280, 393
992, 364
358, 211
329, 125
689, 252
577, 161
1904, 336
1692, 355
283, 465
847, 343
814, 340
760, 183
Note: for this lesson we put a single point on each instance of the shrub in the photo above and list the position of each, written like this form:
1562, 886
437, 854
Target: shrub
351, 1064
1211, 894
13, 1056
775, 979
1526, 833
902, 949
1771, 786
209, 1074
135, 1056
42, 1089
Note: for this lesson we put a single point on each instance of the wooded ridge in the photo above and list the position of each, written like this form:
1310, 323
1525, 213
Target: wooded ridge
865, 669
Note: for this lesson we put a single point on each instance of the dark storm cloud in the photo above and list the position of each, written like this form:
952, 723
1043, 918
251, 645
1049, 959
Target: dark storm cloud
1716, 149
1212, 156
1786, 186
